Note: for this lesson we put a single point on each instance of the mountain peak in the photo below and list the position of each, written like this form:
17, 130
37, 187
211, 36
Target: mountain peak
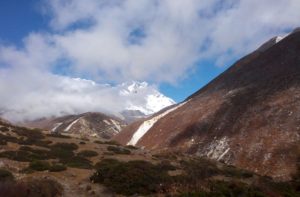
147, 99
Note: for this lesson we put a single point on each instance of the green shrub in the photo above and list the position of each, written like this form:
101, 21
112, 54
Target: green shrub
6, 138
232, 171
5, 175
4, 129
57, 168
87, 153
131, 147
58, 135
199, 168
37, 154
66, 146
222, 188
107, 142
29, 133
77, 162
36, 142
129, 178
118, 150
17, 155
39, 165
166, 165
57, 152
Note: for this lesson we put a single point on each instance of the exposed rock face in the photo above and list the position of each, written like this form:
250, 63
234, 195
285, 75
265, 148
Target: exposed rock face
249, 116
87, 124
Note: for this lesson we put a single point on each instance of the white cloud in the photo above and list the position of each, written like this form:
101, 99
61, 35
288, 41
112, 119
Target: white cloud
35, 94
123, 40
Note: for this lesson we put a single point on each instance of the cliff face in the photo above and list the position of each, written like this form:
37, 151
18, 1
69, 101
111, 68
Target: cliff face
249, 116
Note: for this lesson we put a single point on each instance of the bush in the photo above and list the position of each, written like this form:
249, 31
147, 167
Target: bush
22, 156
5, 175
77, 162
4, 129
66, 146
29, 133
131, 147
57, 168
6, 138
128, 178
60, 153
36, 142
107, 142
232, 171
39, 165
82, 142
199, 168
222, 188
58, 135
87, 153
37, 154
32, 188
118, 150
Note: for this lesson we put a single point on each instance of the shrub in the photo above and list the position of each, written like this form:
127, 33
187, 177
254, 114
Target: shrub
77, 162
57, 152
232, 171
57, 168
39, 165
82, 142
36, 142
131, 147
66, 146
31, 188
199, 168
6, 138
58, 135
107, 142
222, 188
5, 175
4, 129
128, 178
87, 153
29, 133
17, 155
118, 150
165, 165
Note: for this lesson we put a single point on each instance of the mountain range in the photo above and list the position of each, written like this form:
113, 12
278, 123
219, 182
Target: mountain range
249, 116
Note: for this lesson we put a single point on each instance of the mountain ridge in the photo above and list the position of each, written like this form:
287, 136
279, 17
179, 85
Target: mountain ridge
248, 116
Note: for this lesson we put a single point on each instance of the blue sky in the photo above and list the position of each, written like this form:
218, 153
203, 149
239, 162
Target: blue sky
177, 46
19, 18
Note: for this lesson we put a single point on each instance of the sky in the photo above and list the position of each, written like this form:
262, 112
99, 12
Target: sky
176, 46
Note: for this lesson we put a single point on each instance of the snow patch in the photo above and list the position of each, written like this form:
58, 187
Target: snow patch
56, 126
70, 125
278, 39
146, 125
116, 124
107, 122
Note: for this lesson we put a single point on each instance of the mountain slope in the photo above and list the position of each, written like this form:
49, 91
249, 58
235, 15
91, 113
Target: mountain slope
87, 124
249, 116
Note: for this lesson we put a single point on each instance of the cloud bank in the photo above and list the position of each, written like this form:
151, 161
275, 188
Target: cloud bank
121, 40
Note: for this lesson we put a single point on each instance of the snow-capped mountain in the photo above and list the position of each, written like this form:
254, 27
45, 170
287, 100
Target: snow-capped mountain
144, 98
